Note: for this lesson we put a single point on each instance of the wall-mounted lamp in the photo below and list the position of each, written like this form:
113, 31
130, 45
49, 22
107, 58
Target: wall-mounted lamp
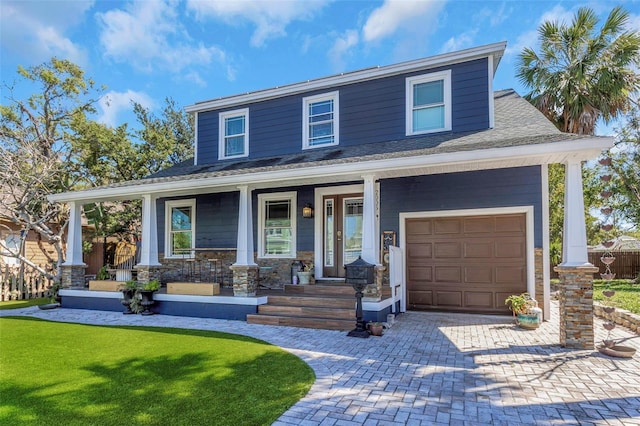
307, 211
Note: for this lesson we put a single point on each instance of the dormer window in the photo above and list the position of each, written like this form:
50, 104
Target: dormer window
234, 134
429, 103
320, 125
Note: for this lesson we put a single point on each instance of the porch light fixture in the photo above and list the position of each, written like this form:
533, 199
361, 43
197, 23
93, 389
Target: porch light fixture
307, 211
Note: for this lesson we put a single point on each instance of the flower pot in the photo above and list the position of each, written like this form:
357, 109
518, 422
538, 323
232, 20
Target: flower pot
147, 301
127, 295
375, 328
304, 277
528, 322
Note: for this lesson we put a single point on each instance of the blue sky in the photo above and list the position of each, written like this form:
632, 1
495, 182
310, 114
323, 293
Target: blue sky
194, 50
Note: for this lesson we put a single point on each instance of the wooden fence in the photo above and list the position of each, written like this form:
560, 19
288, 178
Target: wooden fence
31, 286
626, 265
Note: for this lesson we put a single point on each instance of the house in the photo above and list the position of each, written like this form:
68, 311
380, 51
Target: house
422, 155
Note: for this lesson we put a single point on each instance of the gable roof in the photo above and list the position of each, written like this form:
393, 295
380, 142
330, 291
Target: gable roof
521, 136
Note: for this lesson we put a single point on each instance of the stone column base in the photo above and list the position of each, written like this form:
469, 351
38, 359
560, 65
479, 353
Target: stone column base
72, 275
148, 273
373, 292
245, 280
576, 306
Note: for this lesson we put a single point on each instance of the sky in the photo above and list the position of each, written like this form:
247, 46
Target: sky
195, 50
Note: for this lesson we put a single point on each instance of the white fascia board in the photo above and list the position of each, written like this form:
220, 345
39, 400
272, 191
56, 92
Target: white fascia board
495, 50
583, 149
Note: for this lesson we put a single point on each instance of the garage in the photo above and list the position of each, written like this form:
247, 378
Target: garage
465, 263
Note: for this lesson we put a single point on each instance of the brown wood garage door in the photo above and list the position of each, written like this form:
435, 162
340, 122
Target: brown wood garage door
465, 264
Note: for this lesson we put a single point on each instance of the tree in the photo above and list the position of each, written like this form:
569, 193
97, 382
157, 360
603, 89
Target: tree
581, 75
35, 150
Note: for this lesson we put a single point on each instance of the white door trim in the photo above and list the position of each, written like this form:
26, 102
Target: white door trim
530, 240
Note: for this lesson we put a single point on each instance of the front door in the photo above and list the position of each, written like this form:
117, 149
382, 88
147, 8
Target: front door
342, 232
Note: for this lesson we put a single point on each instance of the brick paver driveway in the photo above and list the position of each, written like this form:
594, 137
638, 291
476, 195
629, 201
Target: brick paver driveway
434, 368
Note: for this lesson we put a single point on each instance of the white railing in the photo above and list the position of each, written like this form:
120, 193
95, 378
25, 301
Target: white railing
396, 278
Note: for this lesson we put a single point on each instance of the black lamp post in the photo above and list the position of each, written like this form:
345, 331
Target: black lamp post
359, 274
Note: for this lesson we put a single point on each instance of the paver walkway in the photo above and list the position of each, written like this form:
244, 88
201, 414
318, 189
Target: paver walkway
435, 368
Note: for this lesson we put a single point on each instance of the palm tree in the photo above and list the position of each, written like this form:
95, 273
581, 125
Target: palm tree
580, 74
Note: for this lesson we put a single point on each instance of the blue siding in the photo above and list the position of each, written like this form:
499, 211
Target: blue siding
470, 190
370, 111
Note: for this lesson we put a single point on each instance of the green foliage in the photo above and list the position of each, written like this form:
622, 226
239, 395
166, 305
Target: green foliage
519, 303
130, 285
153, 285
102, 274
582, 74
627, 294
142, 375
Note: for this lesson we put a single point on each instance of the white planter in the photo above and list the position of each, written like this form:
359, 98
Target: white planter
304, 277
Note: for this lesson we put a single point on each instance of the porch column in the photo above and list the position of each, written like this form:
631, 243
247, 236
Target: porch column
73, 268
370, 242
575, 271
148, 268
245, 270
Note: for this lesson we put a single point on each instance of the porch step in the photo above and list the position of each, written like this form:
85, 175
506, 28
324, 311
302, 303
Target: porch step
307, 322
329, 306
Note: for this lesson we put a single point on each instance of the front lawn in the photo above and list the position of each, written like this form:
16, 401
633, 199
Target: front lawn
627, 294
72, 374
15, 304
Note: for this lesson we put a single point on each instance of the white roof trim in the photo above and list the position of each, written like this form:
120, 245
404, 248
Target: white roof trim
583, 149
494, 50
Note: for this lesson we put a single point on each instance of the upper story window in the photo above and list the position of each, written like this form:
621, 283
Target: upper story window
234, 134
277, 225
429, 103
180, 225
320, 120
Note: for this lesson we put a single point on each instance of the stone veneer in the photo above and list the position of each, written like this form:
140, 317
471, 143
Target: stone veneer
619, 316
373, 292
148, 273
72, 275
576, 306
245, 280
539, 278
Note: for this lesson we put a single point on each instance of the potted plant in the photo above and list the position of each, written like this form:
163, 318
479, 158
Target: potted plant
130, 297
146, 295
525, 310
375, 328
304, 275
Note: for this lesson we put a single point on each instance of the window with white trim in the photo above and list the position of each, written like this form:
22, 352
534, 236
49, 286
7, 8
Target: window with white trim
277, 225
320, 126
233, 138
11, 249
429, 103
180, 225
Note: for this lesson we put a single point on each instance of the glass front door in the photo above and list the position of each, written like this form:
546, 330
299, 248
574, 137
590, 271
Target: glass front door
342, 232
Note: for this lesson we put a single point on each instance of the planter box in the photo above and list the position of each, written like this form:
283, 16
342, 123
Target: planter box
105, 285
198, 289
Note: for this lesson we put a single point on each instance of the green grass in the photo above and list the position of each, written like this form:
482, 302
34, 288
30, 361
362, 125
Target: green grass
72, 374
15, 304
627, 294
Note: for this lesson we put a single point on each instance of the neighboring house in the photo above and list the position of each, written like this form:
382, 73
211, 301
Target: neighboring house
423, 152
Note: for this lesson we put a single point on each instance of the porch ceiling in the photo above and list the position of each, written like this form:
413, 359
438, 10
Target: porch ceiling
383, 166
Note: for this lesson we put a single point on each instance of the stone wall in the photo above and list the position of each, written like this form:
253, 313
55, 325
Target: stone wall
72, 276
576, 306
619, 316
539, 278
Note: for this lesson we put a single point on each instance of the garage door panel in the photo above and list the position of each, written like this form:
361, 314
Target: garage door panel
447, 250
448, 274
482, 274
479, 299
466, 263
449, 298
418, 274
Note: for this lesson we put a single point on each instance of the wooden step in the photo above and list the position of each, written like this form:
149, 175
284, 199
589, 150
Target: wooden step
307, 322
320, 289
344, 302
306, 311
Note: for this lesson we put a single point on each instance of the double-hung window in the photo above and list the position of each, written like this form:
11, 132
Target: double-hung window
180, 225
321, 124
277, 225
234, 134
429, 103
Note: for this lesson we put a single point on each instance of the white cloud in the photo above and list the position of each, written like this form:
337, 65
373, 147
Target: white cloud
395, 14
271, 18
341, 48
37, 29
112, 104
152, 37
459, 42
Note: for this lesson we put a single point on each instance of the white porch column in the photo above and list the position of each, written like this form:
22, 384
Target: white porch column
370, 247
74, 236
149, 243
244, 255
574, 239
